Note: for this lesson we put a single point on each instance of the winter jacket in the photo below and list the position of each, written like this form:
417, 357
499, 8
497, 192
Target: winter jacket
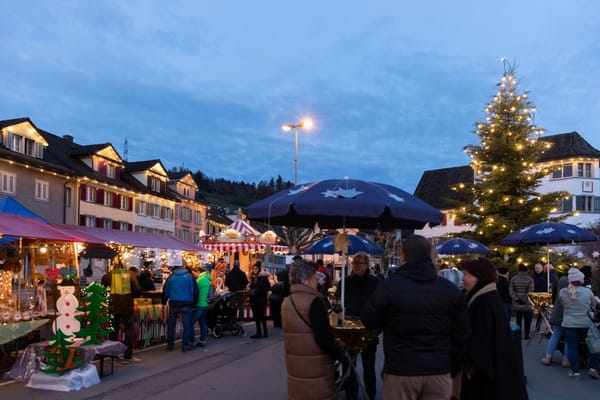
358, 289
310, 371
236, 280
424, 321
575, 310
180, 289
520, 285
203, 282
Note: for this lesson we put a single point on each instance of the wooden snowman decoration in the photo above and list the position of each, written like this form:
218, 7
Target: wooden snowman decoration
66, 306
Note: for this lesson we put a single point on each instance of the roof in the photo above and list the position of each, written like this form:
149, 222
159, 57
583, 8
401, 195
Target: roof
567, 145
435, 186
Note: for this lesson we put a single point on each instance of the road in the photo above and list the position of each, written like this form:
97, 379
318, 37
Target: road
242, 368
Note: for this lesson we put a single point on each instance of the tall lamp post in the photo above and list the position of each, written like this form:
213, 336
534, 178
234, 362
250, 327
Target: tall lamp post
306, 124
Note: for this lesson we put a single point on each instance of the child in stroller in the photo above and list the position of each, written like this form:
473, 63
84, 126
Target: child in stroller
222, 314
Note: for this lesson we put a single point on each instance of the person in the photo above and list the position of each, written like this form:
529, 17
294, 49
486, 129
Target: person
555, 322
492, 369
259, 287
203, 281
503, 289
575, 300
520, 285
425, 327
124, 287
359, 286
377, 272
275, 302
236, 281
181, 293
540, 282
453, 274
145, 278
310, 350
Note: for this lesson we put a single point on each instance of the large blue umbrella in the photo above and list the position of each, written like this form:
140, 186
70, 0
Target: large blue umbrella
547, 233
358, 244
456, 246
337, 203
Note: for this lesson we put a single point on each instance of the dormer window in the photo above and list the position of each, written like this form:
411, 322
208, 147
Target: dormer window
24, 145
154, 184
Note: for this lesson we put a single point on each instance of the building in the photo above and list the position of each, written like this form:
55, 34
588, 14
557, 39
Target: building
190, 214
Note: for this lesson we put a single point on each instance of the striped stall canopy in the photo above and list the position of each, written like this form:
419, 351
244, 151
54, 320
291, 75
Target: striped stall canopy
234, 246
243, 227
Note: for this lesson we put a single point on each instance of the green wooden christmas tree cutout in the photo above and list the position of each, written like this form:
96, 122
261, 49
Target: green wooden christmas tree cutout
96, 317
60, 357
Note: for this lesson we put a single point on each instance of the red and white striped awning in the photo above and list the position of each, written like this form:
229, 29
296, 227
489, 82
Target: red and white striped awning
243, 227
234, 246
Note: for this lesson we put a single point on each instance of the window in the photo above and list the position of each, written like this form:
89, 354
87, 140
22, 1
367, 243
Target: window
565, 205
155, 210
108, 198
107, 223
8, 182
90, 221
155, 184
68, 200
186, 192
124, 205
124, 226
584, 203
197, 217
563, 171
41, 190
110, 171
584, 170
140, 207
90, 194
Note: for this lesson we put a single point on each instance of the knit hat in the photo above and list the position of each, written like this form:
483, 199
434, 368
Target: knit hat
575, 275
208, 267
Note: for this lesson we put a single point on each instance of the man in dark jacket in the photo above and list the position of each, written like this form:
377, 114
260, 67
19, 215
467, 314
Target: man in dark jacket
425, 326
358, 288
236, 280
181, 292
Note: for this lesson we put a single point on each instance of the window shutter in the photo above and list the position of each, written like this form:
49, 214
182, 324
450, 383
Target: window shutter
115, 224
100, 196
82, 192
116, 200
99, 222
130, 208
82, 220
102, 167
129, 227
117, 172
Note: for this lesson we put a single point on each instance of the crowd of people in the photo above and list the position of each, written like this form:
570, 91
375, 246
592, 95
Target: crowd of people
446, 330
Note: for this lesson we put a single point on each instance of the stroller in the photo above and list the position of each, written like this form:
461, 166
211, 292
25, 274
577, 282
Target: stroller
222, 314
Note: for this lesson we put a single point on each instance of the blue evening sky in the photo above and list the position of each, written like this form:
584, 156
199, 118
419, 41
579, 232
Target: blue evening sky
394, 87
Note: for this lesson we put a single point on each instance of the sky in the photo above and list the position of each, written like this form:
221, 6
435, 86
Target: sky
394, 88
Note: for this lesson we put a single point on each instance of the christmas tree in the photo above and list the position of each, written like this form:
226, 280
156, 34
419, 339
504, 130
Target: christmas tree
96, 317
59, 357
504, 195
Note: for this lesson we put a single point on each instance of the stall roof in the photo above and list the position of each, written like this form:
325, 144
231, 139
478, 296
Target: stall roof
127, 238
33, 228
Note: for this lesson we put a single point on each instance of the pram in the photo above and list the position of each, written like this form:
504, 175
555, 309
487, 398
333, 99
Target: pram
222, 314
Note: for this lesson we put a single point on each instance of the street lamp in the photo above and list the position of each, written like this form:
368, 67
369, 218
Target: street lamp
306, 124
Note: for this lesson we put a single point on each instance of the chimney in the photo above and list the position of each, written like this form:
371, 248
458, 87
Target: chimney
68, 138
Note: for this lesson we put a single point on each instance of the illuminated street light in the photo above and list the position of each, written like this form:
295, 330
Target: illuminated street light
306, 124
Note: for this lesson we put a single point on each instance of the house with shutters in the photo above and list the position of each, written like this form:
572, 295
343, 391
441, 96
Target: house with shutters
190, 214
88, 185
571, 163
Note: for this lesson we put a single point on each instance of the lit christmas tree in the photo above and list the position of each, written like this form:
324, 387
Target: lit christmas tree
504, 194
96, 315
60, 357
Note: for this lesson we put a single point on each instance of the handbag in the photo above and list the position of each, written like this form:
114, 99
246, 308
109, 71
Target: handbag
593, 339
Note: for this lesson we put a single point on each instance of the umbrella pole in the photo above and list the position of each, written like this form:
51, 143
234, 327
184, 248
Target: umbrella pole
548, 268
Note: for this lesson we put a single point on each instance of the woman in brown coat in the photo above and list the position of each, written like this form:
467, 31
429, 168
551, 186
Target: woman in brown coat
310, 351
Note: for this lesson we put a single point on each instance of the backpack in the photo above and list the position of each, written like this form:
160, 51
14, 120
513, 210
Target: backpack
211, 296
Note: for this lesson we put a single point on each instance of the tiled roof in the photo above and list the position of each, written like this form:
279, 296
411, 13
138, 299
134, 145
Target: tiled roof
567, 145
435, 185
142, 165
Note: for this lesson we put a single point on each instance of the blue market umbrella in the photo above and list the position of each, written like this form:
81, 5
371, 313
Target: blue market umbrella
337, 203
547, 233
456, 246
358, 244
